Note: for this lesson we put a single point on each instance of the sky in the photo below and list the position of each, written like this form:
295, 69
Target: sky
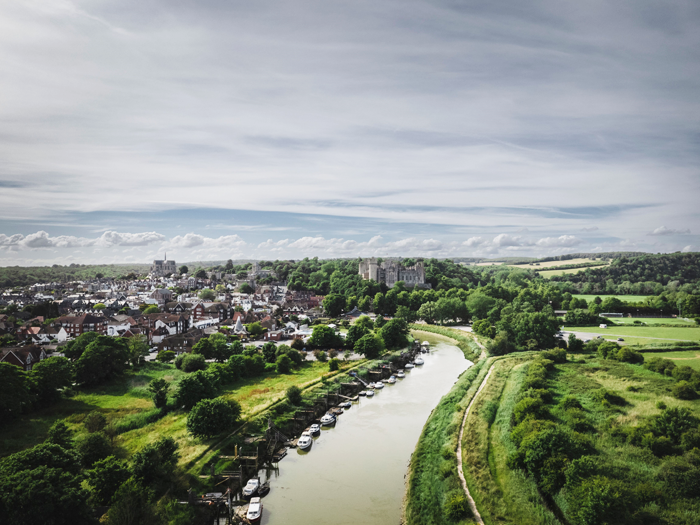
217, 129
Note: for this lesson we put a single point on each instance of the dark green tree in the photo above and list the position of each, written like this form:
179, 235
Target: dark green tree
105, 478
51, 375
211, 417
333, 305
155, 462
193, 388
59, 434
93, 448
394, 333
159, 391
103, 358
370, 346
15, 395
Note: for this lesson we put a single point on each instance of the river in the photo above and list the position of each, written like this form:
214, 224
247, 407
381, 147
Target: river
354, 472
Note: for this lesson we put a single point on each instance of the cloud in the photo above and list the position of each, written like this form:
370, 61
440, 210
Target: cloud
112, 238
687, 249
662, 230
505, 240
563, 241
474, 241
591, 229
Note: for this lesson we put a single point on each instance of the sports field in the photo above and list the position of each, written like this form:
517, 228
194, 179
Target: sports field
626, 298
645, 332
652, 321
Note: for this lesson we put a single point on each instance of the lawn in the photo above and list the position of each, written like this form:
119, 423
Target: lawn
626, 298
689, 358
642, 332
651, 321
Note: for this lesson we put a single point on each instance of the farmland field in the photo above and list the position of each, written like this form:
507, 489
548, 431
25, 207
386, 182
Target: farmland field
546, 274
652, 332
626, 298
554, 264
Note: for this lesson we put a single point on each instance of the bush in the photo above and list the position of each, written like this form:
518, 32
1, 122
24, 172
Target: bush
178, 361
488, 411
95, 421
296, 357
210, 417
333, 365
93, 448
558, 355
457, 507
283, 364
165, 356
193, 388
320, 356
529, 408
159, 390
294, 395
570, 402
683, 390
193, 362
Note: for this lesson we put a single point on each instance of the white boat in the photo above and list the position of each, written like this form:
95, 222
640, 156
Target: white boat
345, 404
305, 441
409, 366
251, 487
315, 429
400, 374
362, 393
391, 380
370, 393
371, 385
379, 385
418, 361
328, 419
255, 509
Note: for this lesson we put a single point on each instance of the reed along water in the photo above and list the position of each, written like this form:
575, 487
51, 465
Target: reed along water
354, 472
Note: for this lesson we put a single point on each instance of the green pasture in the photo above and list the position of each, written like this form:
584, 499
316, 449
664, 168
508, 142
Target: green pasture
689, 358
651, 321
554, 264
642, 332
625, 298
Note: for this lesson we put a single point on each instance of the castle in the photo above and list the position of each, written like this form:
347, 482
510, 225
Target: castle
390, 272
163, 268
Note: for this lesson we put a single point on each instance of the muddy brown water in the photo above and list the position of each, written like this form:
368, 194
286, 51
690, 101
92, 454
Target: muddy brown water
354, 472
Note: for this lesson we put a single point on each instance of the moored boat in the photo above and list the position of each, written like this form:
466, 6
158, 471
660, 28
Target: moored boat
379, 385
409, 366
328, 419
370, 393
255, 510
400, 374
391, 380
315, 429
305, 441
362, 393
251, 487
418, 361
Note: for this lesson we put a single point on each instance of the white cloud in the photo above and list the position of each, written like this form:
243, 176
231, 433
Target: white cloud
687, 249
662, 230
474, 241
563, 241
504, 240
112, 238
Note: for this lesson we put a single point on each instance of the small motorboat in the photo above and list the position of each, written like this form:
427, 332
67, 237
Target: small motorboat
305, 441
371, 385
409, 366
255, 509
370, 393
391, 380
251, 487
264, 489
328, 419
379, 385
315, 429
362, 393
418, 361
400, 374
345, 404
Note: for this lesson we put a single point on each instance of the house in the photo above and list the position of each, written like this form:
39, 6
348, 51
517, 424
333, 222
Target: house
162, 295
25, 357
77, 325
274, 335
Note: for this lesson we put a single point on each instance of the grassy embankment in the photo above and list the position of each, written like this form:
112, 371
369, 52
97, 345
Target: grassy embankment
432, 474
126, 404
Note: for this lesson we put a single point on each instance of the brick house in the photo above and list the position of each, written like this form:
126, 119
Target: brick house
77, 325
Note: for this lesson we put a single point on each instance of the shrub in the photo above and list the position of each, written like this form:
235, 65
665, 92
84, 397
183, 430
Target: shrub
95, 421
661, 405
93, 448
489, 411
333, 364
193, 362
683, 390
570, 402
294, 395
320, 356
178, 361
529, 408
597, 500
193, 388
457, 507
210, 417
691, 439
558, 355
283, 364
159, 389
165, 356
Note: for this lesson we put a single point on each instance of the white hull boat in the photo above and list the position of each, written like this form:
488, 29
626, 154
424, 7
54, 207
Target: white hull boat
315, 429
400, 375
379, 385
391, 380
255, 509
418, 361
305, 441
251, 487
409, 366
370, 393
328, 419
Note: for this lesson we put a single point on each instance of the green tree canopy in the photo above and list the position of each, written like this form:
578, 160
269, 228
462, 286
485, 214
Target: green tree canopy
193, 388
370, 346
210, 417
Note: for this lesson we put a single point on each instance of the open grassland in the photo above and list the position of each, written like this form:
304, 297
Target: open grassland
546, 274
626, 298
654, 321
642, 332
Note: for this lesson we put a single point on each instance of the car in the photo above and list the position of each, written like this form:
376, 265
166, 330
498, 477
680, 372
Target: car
620, 339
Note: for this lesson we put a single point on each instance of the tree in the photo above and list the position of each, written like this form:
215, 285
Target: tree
193, 388
575, 344
333, 364
95, 421
49, 455
370, 346
151, 309
131, 505
156, 461
74, 349
269, 351
246, 288
405, 313
204, 347
211, 417
138, 349
364, 304
379, 303
105, 478
159, 390
102, 359
284, 364
207, 294
99, 306
184, 269
355, 333
294, 395
221, 350
201, 274
93, 448
255, 329
59, 434
324, 337
15, 396
394, 333
333, 305
193, 362
428, 312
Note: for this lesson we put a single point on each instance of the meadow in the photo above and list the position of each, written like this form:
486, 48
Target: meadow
655, 321
554, 264
626, 298
689, 358
643, 332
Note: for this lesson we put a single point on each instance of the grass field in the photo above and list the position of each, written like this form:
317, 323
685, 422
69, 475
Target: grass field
546, 274
554, 264
689, 358
626, 298
646, 332
651, 321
